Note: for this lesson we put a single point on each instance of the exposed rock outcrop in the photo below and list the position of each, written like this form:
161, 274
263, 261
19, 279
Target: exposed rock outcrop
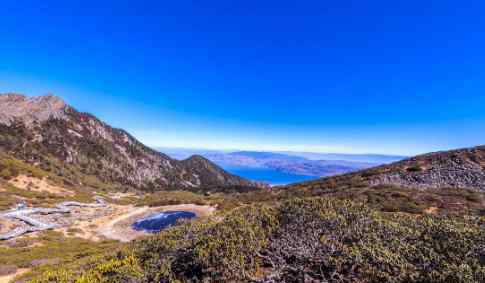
42, 108
462, 168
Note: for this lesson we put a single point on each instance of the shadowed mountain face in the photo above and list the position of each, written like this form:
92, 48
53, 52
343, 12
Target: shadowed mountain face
462, 168
47, 132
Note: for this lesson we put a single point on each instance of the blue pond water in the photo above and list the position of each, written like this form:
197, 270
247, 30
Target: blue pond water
157, 222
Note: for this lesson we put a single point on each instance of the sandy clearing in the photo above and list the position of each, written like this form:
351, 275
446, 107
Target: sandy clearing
89, 228
38, 185
117, 225
7, 225
123, 233
9, 278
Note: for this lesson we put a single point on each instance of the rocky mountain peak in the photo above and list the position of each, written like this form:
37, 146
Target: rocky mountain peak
19, 107
36, 129
196, 158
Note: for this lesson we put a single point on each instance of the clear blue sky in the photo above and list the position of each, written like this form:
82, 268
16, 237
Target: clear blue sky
400, 77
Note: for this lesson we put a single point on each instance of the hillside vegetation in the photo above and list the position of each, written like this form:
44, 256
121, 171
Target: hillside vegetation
299, 240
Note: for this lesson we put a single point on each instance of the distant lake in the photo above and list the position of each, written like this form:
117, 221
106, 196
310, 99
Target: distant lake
268, 175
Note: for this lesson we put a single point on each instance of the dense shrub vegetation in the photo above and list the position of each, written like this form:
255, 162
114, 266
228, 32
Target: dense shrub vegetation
319, 239
323, 239
11, 167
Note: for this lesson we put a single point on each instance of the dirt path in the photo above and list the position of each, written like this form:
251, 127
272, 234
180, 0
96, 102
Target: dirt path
9, 278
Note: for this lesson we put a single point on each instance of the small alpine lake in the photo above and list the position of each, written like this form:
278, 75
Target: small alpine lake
157, 222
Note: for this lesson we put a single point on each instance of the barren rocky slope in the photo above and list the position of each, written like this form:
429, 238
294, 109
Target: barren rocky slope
462, 168
49, 133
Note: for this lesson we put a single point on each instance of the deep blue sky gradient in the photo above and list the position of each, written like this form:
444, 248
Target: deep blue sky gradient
400, 77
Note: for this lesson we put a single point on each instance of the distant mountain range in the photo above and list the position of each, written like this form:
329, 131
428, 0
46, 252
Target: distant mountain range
47, 132
366, 158
298, 163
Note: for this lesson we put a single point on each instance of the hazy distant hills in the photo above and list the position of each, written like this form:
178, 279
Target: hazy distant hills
298, 163
366, 158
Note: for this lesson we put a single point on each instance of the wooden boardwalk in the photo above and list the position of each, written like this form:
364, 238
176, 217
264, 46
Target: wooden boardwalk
25, 215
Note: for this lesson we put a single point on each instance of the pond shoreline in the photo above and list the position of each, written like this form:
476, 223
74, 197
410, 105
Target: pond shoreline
120, 228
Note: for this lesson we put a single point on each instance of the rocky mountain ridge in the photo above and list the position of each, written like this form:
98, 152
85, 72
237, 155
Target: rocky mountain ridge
461, 168
46, 131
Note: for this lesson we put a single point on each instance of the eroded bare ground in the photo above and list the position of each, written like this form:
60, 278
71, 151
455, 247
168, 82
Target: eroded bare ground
7, 225
39, 185
13, 273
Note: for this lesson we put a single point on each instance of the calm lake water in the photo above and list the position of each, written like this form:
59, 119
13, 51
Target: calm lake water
268, 175
157, 222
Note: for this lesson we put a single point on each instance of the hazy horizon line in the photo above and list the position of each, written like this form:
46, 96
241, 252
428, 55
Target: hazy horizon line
275, 151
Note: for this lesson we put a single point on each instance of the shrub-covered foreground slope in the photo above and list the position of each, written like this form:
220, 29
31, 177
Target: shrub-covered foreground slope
299, 240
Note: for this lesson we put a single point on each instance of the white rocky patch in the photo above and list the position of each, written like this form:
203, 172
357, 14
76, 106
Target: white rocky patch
197, 179
189, 184
74, 133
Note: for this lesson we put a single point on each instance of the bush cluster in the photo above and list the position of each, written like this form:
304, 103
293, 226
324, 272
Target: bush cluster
343, 241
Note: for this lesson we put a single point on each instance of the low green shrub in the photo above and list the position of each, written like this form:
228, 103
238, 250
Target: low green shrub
414, 168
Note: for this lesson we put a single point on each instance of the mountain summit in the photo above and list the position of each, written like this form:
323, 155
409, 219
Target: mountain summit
18, 107
47, 132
